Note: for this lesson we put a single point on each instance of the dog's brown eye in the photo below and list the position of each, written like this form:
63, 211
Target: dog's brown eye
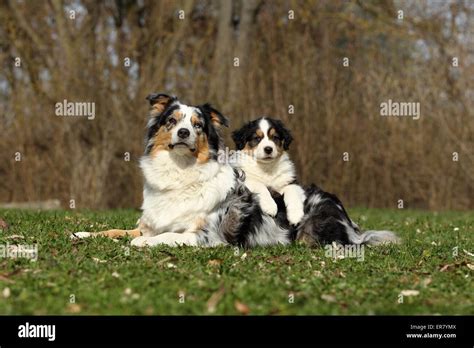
198, 126
172, 121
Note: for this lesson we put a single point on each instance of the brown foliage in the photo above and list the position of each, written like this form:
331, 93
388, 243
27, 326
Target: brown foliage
282, 62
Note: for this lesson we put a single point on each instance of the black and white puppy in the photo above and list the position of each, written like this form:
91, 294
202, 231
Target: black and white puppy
262, 154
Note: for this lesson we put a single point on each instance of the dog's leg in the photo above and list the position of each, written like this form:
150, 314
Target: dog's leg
267, 203
294, 198
109, 234
169, 238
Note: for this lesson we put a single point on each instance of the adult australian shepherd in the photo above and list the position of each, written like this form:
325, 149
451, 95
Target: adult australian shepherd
190, 197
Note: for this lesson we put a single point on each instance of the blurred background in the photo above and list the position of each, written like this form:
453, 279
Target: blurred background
290, 57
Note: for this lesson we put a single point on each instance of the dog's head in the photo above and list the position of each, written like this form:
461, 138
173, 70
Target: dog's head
265, 138
185, 130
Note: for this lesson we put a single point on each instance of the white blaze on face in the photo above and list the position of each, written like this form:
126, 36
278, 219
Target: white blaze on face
185, 124
266, 143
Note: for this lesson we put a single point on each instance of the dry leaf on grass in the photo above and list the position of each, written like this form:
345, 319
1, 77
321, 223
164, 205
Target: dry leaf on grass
215, 262
426, 282
467, 252
96, 260
328, 298
410, 292
471, 267
6, 292
242, 308
3, 224
73, 308
214, 300
445, 267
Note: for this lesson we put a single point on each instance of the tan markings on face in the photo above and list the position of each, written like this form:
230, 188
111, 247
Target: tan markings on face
202, 145
178, 115
253, 142
161, 141
162, 138
275, 137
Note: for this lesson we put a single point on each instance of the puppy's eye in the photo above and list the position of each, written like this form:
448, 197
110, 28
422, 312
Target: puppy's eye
171, 121
276, 138
198, 126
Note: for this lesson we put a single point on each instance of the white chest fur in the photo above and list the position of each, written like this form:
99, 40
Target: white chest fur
276, 174
178, 191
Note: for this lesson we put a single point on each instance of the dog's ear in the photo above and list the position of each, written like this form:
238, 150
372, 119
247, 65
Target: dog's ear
240, 136
159, 102
284, 133
216, 116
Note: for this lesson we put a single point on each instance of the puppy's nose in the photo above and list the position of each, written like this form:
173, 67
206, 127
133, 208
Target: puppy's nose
183, 133
268, 149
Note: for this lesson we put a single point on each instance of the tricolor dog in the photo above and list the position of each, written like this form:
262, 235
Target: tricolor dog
263, 156
262, 146
191, 198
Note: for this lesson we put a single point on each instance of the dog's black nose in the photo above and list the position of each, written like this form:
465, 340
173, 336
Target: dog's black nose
268, 150
183, 133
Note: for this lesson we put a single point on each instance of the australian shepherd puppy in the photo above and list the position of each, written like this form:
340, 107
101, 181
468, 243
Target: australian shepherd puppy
316, 216
263, 156
192, 198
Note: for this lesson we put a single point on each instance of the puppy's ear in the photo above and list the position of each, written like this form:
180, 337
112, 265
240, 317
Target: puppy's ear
159, 102
239, 137
284, 133
216, 116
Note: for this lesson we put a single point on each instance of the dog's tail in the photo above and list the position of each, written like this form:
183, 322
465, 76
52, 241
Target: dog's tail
374, 237
326, 221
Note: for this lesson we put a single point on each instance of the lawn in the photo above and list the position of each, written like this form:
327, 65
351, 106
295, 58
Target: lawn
101, 276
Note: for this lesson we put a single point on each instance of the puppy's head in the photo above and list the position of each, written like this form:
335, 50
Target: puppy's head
185, 130
264, 138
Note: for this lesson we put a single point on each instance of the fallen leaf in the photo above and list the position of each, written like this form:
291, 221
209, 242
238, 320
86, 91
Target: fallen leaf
426, 282
96, 260
244, 256
410, 292
6, 276
467, 252
171, 265
3, 224
471, 267
214, 300
241, 307
215, 262
115, 275
74, 308
445, 267
6, 292
328, 298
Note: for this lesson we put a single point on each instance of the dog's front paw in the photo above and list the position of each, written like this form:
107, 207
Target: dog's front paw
295, 216
141, 242
80, 235
268, 206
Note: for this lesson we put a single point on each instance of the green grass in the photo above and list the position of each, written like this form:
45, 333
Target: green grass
109, 277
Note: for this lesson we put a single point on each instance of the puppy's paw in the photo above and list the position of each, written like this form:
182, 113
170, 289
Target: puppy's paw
140, 242
80, 235
295, 215
268, 206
